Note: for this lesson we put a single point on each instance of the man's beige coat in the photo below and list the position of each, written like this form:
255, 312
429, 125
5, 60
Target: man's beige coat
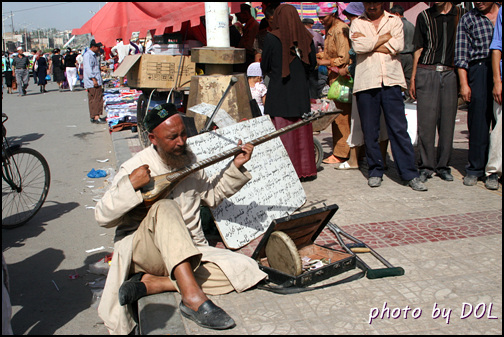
118, 208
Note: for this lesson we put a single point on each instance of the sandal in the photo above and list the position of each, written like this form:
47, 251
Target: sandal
332, 159
346, 166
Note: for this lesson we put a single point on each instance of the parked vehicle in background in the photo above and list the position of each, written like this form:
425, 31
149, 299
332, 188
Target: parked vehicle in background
31, 57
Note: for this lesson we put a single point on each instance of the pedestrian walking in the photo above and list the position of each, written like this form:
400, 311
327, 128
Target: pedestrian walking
71, 68
58, 68
288, 96
42, 72
36, 55
474, 66
79, 59
7, 71
93, 82
20, 65
434, 86
378, 38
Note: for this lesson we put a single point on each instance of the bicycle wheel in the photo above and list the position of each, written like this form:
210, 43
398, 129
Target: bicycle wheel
31, 178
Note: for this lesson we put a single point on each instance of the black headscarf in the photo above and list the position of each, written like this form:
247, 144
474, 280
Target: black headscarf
292, 33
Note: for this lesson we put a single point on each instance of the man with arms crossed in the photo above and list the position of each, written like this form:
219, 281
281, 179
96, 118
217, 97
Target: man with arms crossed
378, 38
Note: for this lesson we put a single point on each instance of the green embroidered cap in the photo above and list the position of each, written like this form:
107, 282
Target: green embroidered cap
159, 114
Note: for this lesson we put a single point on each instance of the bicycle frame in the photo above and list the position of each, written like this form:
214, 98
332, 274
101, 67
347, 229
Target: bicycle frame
25, 182
6, 161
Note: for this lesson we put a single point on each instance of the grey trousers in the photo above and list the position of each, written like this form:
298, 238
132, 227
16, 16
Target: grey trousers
436, 110
22, 78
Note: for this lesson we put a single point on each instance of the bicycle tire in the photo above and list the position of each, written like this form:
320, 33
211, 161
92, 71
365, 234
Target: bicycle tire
19, 206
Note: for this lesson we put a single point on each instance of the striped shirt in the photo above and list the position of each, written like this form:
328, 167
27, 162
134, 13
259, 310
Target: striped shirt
435, 33
20, 62
474, 35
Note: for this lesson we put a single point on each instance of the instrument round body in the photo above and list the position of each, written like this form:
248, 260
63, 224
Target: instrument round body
282, 254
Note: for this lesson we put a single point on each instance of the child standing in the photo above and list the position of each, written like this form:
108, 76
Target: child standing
257, 87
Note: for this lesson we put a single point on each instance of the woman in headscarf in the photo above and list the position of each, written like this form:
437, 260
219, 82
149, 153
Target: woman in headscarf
58, 68
42, 72
288, 57
336, 55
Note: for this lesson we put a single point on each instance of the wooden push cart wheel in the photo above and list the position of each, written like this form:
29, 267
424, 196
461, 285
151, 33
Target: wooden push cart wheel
283, 255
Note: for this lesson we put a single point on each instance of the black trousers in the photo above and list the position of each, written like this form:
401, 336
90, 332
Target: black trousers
480, 116
370, 103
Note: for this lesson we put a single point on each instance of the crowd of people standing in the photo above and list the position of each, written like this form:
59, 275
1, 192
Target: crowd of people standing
447, 52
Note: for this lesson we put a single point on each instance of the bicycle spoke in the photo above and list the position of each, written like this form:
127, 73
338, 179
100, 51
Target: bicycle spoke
29, 171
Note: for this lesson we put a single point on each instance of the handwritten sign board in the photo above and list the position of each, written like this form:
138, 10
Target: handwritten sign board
273, 192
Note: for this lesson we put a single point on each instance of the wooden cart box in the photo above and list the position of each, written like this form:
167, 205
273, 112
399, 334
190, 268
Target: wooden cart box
304, 228
156, 71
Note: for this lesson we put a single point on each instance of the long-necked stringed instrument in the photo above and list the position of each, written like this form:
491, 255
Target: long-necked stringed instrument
160, 186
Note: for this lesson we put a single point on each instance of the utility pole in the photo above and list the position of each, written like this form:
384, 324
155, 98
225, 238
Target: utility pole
12, 23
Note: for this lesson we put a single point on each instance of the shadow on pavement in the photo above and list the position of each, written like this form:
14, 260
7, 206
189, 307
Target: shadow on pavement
49, 299
16, 237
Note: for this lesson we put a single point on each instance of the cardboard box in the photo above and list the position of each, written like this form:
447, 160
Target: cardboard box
156, 71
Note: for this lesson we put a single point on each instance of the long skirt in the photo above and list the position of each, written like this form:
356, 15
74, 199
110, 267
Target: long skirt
299, 146
41, 75
8, 78
59, 74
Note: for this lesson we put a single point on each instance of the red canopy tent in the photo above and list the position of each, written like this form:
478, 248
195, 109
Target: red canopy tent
121, 19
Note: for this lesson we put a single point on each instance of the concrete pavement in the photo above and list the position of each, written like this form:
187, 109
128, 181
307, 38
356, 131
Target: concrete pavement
448, 240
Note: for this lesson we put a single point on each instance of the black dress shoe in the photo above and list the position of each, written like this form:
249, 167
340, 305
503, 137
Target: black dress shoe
208, 316
98, 121
445, 175
132, 290
424, 175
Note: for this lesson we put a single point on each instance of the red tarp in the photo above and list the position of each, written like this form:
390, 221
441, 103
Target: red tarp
120, 19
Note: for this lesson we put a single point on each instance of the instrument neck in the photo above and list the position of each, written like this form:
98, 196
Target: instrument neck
183, 173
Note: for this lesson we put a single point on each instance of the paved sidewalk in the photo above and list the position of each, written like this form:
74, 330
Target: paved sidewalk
448, 240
